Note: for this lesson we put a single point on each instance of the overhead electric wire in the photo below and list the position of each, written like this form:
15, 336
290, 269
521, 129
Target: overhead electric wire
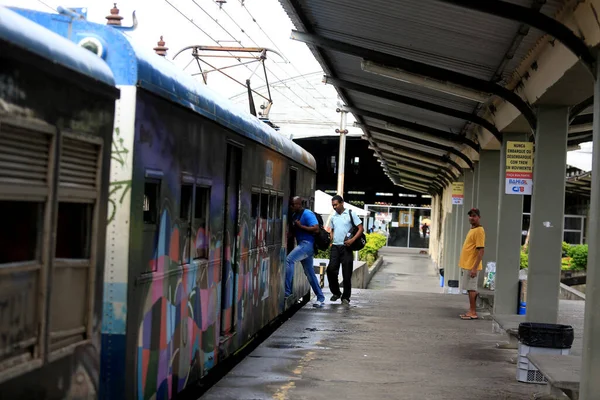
52, 8
277, 47
267, 68
333, 123
217, 42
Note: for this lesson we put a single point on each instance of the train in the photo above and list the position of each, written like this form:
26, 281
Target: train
188, 234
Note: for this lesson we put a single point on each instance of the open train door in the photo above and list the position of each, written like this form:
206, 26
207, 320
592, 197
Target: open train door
293, 181
230, 264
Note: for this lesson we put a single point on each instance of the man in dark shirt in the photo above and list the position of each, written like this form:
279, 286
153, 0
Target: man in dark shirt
305, 226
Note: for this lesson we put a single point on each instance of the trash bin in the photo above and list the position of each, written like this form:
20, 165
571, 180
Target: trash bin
453, 287
551, 336
441, 277
538, 338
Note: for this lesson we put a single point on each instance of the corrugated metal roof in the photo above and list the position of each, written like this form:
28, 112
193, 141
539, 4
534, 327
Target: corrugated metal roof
428, 31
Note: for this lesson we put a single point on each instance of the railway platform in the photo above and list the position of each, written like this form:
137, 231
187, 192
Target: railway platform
400, 339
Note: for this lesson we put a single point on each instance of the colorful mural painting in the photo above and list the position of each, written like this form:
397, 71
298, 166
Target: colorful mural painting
178, 334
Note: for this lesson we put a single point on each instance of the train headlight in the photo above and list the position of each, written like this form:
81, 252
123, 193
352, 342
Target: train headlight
92, 44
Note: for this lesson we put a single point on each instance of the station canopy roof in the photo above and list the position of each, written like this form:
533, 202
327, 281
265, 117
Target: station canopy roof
423, 79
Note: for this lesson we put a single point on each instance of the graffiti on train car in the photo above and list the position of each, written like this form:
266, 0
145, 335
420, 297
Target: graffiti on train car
187, 310
178, 334
119, 150
118, 192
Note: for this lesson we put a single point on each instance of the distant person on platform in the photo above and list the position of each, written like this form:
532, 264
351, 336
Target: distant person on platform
470, 261
304, 227
341, 238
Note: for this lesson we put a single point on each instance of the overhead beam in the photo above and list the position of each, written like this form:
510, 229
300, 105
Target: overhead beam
424, 166
418, 154
432, 185
415, 184
423, 142
451, 112
448, 173
535, 19
413, 176
421, 69
579, 108
452, 137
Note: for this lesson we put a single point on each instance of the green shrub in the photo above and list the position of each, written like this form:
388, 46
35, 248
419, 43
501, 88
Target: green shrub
566, 247
323, 253
579, 256
566, 263
369, 253
524, 260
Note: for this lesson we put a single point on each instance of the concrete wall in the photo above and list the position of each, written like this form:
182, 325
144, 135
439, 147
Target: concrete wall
570, 293
360, 273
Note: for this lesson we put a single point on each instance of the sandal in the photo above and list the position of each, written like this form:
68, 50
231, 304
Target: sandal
468, 317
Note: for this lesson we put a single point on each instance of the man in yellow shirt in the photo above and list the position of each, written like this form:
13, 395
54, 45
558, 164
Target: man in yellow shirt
470, 261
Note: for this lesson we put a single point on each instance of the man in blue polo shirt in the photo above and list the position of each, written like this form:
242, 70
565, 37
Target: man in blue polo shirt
341, 232
304, 227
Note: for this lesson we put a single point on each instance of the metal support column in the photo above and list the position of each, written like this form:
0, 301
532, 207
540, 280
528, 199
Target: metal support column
342, 156
590, 369
477, 178
489, 187
508, 245
457, 242
547, 214
448, 248
467, 205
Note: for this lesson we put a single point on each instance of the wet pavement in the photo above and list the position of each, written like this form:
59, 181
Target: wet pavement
399, 339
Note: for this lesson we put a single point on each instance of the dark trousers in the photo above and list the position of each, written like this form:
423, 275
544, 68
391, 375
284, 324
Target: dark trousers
340, 255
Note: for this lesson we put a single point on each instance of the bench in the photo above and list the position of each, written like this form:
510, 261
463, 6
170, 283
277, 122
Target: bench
563, 373
508, 324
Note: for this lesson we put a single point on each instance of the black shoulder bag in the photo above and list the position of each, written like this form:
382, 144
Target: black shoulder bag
361, 241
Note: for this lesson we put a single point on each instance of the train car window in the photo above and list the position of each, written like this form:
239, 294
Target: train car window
74, 230
264, 205
255, 204
185, 205
151, 212
151, 194
272, 206
293, 179
201, 208
271, 223
185, 215
279, 207
19, 231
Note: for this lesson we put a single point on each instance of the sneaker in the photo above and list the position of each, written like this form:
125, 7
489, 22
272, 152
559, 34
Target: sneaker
335, 297
319, 304
346, 302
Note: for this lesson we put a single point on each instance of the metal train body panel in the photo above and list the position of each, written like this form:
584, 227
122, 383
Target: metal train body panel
182, 293
56, 115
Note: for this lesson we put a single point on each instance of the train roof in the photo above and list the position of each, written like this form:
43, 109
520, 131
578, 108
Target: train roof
23, 33
133, 64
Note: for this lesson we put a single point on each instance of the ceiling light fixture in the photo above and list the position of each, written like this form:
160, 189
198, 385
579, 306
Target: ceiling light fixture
419, 80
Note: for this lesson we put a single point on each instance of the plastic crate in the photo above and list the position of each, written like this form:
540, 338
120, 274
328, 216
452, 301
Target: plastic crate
530, 376
526, 371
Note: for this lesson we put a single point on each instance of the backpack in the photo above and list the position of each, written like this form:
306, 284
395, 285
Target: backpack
322, 238
361, 241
